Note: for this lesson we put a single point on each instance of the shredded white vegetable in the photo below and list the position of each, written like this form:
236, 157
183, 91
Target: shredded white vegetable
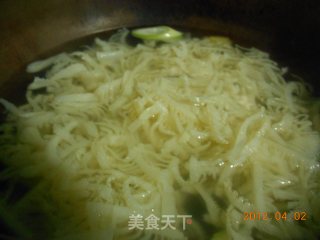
193, 126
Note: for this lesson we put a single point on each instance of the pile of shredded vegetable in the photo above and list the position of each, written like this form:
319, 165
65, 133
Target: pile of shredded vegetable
198, 127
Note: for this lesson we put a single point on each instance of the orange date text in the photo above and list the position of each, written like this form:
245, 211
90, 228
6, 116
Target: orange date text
278, 216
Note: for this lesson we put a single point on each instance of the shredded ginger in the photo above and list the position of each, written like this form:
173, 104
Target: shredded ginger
193, 127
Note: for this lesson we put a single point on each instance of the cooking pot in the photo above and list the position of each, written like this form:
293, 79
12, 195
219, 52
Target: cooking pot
34, 29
